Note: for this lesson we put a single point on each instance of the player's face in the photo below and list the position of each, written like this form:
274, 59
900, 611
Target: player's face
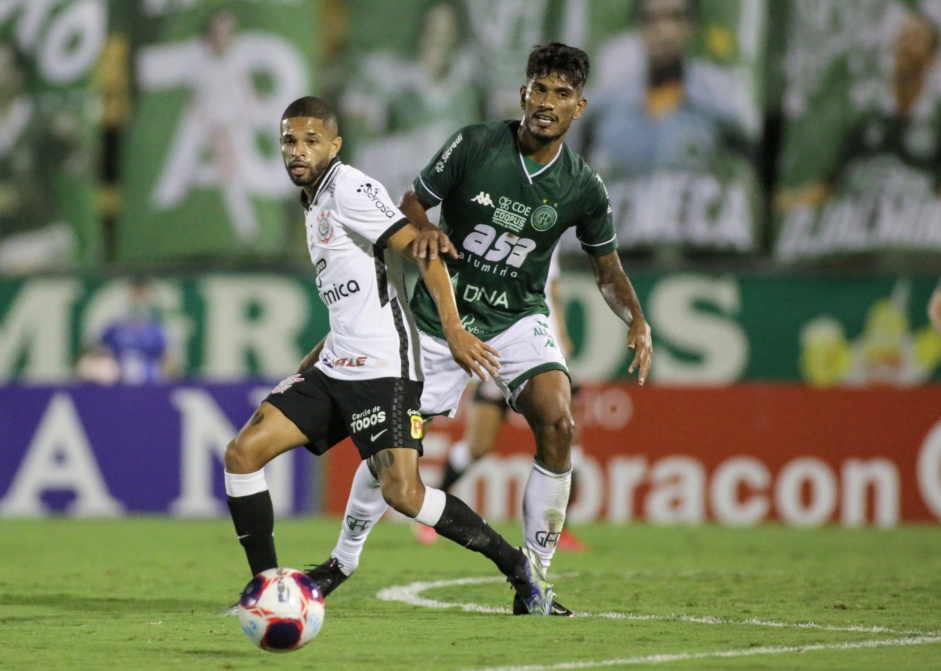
307, 147
550, 104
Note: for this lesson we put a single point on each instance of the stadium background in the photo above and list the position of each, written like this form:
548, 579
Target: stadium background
796, 377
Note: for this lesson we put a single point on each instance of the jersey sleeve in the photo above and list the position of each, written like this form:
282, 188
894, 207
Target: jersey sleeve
447, 168
595, 229
367, 209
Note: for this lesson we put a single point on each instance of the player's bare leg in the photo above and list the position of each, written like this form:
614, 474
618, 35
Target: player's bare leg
546, 403
266, 435
484, 419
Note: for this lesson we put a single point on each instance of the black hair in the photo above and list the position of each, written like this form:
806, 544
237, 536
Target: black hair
570, 63
312, 106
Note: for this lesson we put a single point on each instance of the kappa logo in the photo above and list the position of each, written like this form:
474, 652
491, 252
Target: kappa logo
483, 199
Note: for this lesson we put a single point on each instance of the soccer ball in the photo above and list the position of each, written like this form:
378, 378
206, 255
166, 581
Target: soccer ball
281, 610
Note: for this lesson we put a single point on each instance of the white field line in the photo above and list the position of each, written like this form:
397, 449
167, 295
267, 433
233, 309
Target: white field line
411, 594
743, 652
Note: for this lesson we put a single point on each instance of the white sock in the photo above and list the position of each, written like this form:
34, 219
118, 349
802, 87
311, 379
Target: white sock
363, 509
245, 484
432, 507
544, 501
459, 456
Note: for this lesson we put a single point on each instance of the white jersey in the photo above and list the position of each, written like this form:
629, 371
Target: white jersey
372, 331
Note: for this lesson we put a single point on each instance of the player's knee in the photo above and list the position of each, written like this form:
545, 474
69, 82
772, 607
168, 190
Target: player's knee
240, 457
403, 496
554, 441
556, 430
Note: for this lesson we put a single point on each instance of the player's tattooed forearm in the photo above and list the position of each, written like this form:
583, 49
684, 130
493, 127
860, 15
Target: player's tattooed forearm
256, 418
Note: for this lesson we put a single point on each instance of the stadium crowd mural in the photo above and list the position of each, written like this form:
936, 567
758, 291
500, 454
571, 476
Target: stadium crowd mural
756, 131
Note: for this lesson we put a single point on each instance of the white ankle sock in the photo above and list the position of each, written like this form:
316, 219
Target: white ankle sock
544, 501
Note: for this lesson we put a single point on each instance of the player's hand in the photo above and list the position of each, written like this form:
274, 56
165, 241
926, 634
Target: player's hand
639, 340
431, 242
473, 355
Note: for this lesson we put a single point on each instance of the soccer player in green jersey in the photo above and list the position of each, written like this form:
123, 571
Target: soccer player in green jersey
508, 190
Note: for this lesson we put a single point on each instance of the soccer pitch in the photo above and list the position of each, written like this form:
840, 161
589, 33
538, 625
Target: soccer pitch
144, 593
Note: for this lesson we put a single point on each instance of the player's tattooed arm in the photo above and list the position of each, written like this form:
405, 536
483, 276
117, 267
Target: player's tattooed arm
431, 240
619, 294
312, 356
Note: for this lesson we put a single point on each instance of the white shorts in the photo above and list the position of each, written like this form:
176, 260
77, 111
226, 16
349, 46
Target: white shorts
527, 348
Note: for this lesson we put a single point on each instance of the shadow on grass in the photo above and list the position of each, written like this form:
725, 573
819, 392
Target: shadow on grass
129, 604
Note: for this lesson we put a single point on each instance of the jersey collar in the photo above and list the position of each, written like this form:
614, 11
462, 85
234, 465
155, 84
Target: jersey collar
324, 183
548, 165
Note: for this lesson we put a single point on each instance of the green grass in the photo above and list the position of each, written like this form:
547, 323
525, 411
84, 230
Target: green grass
143, 594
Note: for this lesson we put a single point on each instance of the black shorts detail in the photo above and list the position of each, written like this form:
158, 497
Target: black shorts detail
377, 414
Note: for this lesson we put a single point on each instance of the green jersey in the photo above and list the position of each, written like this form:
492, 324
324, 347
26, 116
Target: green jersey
505, 217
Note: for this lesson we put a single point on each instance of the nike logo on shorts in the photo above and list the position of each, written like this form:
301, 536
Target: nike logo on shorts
373, 436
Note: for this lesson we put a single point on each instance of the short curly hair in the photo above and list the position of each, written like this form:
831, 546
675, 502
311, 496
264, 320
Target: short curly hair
570, 63
312, 106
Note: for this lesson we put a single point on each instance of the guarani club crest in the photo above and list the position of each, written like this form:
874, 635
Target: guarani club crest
544, 217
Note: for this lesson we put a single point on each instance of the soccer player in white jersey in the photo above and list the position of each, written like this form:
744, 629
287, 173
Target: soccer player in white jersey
366, 380
508, 190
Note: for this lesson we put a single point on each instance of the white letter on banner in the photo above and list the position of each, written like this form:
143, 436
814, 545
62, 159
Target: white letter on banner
625, 474
59, 457
725, 487
678, 490
272, 336
816, 475
717, 341
38, 322
929, 470
883, 477
204, 433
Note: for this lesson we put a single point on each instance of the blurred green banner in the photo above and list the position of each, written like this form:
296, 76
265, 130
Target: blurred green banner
48, 134
708, 329
861, 158
201, 168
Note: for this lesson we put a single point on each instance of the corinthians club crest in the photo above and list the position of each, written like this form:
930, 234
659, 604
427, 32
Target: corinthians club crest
324, 227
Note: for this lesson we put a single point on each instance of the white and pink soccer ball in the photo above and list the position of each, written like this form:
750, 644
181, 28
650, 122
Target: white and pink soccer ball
281, 610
